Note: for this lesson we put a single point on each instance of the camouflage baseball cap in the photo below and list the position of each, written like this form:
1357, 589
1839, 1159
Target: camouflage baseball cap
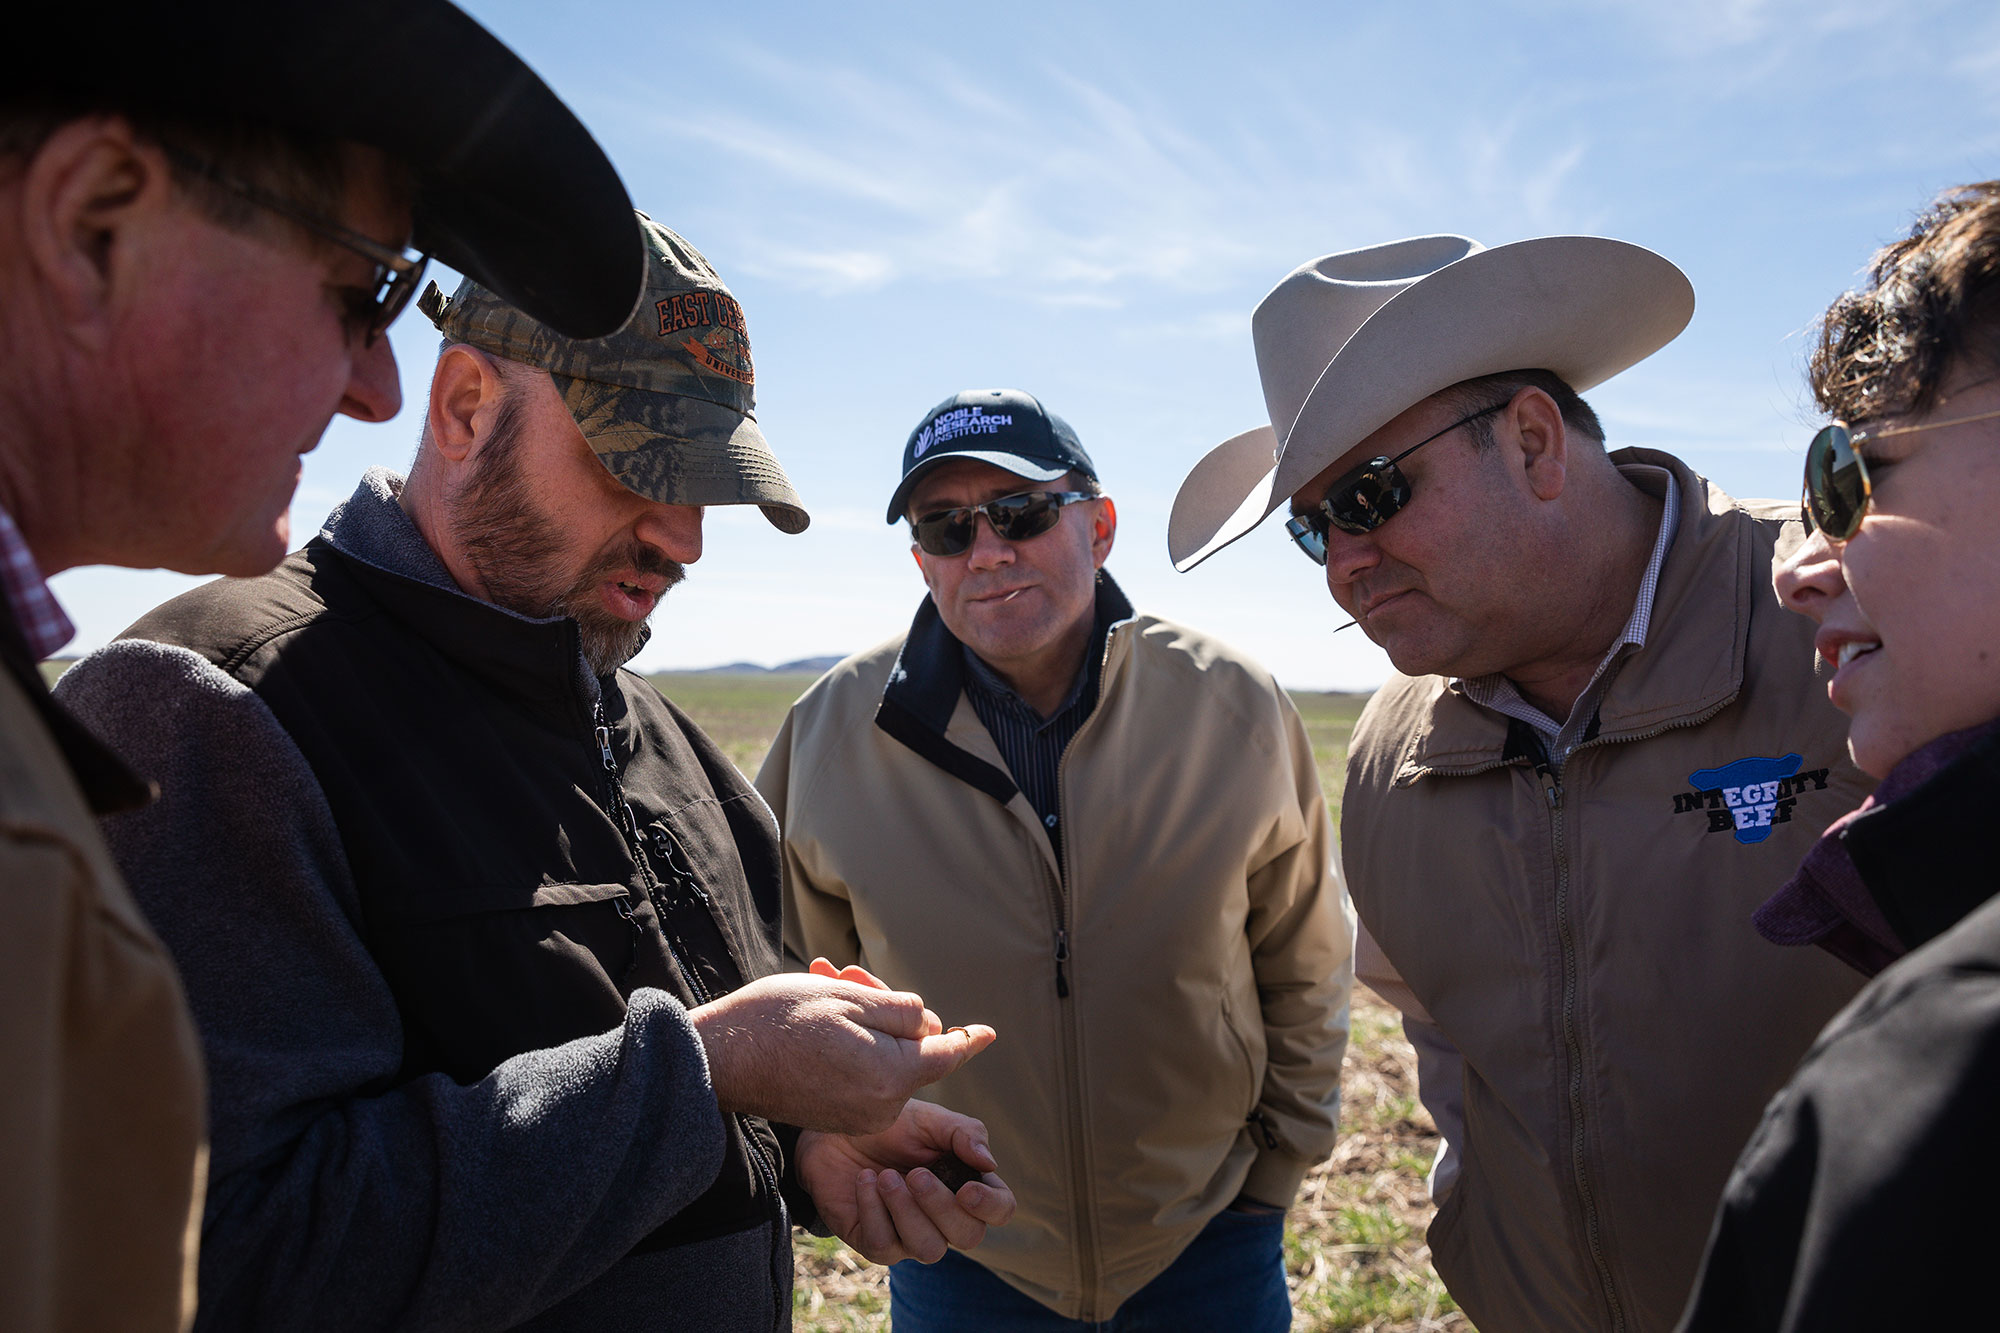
668, 402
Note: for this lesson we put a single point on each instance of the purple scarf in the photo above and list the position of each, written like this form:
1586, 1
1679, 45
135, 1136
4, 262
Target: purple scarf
1826, 903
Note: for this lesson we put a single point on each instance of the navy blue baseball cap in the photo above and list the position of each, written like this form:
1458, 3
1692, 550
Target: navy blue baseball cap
1004, 427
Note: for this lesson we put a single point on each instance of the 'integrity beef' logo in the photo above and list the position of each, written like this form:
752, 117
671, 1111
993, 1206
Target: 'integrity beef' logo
1750, 796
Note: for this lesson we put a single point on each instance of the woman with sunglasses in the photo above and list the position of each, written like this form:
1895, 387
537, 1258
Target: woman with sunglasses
1847, 1209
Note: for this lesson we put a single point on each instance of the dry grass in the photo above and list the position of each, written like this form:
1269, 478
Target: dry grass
1354, 1248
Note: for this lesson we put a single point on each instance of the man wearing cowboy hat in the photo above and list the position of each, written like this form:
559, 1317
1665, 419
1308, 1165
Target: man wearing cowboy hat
479, 930
210, 213
1604, 747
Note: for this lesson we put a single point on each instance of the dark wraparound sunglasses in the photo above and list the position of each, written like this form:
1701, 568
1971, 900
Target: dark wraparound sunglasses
1364, 499
373, 308
1014, 517
1837, 491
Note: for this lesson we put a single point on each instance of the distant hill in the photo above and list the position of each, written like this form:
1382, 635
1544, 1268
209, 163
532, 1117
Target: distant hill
816, 665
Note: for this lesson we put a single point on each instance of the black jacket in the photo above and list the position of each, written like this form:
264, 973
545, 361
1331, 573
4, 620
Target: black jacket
436, 891
1860, 1202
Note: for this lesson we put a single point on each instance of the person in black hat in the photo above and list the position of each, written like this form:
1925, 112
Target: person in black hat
209, 214
1104, 834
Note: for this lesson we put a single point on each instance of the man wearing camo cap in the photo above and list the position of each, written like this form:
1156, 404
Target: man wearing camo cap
480, 931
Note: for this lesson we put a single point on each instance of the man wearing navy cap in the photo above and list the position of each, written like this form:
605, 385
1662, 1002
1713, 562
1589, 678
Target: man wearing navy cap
209, 214
1104, 834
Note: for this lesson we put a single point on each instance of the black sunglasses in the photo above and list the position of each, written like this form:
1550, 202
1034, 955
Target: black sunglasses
1837, 491
373, 308
1364, 499
1014, 518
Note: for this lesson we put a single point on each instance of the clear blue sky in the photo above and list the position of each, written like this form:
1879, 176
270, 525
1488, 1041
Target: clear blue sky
1086, 201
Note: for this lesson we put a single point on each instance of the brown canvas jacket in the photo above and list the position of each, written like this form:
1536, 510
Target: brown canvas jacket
101, 1149
1581, 940
1204, 939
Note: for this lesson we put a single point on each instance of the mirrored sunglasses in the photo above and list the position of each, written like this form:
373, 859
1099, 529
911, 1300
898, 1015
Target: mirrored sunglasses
1837, 487
371, 309
1014, 518
1365, 498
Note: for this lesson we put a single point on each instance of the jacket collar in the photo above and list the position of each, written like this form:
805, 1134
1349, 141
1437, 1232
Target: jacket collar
1926, 855
537, 659
1678, 678
928, 679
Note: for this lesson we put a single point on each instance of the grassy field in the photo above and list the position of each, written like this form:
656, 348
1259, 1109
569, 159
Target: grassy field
1354, 1240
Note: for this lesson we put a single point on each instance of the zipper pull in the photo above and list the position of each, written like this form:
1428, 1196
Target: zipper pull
669, 852
1263, 1127
1062, 956
604, 749
1550, 787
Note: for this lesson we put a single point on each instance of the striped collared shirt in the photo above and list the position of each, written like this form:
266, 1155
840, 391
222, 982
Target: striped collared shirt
1031, 744
1498, 693
42, 621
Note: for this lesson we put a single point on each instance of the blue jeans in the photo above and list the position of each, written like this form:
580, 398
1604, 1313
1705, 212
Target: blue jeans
1230, 1279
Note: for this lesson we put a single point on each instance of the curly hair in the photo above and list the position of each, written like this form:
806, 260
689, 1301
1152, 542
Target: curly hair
1932, 305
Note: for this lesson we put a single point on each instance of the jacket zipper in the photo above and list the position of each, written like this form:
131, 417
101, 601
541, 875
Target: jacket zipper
685, 880
1086, 1238
1572, 1046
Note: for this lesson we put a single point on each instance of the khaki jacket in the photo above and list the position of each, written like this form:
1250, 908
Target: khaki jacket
101, 1151
1203, 938
1581, 941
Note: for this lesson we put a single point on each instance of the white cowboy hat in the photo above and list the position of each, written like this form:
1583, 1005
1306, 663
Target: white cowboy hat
1348, 342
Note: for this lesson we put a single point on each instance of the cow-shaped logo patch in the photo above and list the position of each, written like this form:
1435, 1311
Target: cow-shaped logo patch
1749, 796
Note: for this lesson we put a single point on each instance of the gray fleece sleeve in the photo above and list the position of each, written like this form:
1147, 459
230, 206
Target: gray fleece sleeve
340, 1197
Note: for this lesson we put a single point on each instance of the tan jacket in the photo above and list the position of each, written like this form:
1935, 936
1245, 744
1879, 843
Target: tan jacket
1207, 938
101, 1150
1582, 941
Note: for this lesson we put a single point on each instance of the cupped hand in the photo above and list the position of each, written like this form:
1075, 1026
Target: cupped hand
876, 1194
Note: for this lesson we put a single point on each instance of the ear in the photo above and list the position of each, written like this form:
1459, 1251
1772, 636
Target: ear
466, 393
1103, 530
88, 198
1537, 430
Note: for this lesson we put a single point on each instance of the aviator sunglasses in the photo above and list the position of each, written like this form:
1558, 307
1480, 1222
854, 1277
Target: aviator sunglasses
373, 308
1837, 490
1014, 517
1364, 499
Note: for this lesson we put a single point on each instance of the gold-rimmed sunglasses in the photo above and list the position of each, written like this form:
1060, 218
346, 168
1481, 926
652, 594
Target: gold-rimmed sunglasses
1837, 489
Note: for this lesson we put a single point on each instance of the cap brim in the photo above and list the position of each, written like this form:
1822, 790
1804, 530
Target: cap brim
1584, 307
511, 189
1013, 463
680, 450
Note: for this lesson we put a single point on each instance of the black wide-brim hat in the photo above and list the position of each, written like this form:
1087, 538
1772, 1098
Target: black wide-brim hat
511, 189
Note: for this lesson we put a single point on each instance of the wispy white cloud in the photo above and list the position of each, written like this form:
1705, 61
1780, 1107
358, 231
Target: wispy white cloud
1074, 193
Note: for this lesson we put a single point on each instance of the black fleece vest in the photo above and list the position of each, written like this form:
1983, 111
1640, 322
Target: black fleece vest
505, 895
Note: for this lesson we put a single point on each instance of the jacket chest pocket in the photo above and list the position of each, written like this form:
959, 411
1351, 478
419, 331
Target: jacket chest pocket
488, 972
708, 906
